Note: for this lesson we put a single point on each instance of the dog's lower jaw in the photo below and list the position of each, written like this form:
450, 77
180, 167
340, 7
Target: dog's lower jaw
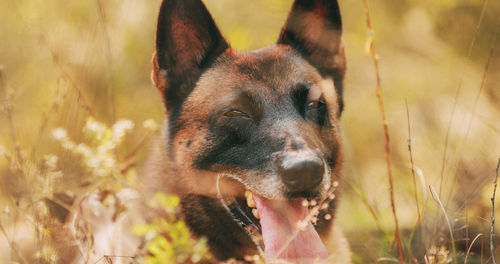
228, 240
226, 237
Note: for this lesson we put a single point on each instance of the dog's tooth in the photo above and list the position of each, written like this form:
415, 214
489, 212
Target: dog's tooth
314, 211
313, 203
302, 224
314, 219
305, 202
252, 259
328, 216
250, 201
255, 213
324, 206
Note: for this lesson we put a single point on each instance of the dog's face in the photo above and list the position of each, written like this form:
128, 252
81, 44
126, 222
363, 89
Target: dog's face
266, 119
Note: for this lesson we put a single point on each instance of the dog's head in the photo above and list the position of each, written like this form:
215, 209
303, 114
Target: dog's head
268, 118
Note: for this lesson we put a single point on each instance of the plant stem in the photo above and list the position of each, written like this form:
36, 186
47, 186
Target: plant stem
375, 57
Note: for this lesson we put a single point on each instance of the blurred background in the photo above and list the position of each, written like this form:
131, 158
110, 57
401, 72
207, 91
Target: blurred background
65, 61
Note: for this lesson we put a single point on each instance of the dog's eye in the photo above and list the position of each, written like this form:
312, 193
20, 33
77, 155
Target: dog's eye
235, 113
314, 104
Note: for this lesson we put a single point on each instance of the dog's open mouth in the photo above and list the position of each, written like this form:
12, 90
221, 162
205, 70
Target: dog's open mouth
282, 229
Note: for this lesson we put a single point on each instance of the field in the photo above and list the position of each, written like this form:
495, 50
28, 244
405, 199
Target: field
78, 71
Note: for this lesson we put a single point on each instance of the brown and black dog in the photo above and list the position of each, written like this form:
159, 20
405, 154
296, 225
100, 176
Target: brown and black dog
251, 141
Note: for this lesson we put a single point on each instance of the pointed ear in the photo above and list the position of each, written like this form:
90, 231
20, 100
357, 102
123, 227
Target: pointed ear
187, 41
314, 29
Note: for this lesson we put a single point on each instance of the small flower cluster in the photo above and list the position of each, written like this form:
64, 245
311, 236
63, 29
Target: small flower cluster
98, 157
438, 255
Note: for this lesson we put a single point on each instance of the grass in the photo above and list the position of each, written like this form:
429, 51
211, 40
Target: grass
83, 61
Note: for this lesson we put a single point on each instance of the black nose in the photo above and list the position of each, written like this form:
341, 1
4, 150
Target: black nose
301, 174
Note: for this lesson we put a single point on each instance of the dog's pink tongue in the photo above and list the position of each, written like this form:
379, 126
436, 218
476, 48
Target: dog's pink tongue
286, 233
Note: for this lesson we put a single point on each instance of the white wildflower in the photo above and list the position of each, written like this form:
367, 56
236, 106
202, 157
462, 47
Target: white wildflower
150, 124
120, 128
84, 150
95, 128
59, 134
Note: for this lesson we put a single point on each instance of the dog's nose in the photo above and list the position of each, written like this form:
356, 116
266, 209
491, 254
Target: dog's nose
301, 174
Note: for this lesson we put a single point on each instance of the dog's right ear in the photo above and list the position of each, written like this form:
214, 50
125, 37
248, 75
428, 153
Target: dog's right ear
314, 29
187, 41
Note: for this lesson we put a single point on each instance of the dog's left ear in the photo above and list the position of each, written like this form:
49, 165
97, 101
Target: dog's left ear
187, 41
314, 30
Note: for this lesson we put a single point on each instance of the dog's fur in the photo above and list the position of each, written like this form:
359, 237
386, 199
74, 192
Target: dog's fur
240, 114
265, 121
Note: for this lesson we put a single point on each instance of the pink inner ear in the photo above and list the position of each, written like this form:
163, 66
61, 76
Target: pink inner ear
156, 75
315, 22
187, 47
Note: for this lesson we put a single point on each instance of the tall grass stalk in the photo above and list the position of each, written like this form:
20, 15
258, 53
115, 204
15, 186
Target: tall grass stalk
470, 246
457, 94
110, 89
371, 50
67, 76
8, 112
436, 198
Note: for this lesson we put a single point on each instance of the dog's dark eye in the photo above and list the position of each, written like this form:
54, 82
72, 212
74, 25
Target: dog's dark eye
235, 113
314, 104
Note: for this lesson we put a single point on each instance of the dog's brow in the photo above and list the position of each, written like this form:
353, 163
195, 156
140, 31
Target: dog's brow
300, 90
243, 99
250, 98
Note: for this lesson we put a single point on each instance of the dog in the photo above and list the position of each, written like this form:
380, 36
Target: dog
251, 141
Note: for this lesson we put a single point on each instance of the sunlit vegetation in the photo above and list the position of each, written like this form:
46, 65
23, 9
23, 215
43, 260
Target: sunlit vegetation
72, 72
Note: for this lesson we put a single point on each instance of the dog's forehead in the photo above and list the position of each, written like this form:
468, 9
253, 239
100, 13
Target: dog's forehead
272, 71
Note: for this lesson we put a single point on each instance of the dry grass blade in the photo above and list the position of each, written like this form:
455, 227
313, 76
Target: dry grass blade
67, 76
492, 233
480, 90
8, 111
436, 198
457, 94
12, 245
110, 90
367, 204
392, 260
470, 246
422, 182
371, 50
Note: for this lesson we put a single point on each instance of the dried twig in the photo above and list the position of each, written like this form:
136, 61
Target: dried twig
492, 233
371, 50
411, 160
